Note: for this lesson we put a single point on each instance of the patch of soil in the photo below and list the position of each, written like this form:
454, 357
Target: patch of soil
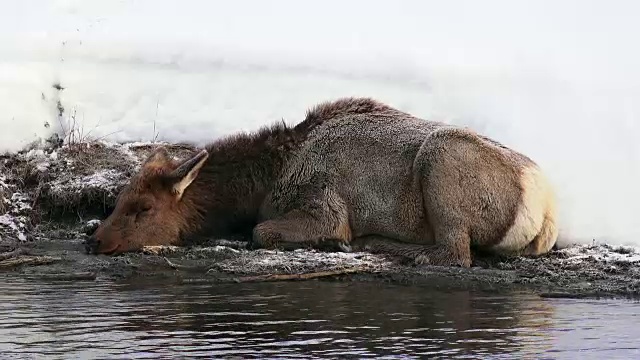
577, 272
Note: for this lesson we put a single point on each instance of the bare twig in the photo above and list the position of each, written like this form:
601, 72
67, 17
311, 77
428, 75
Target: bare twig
304, 276
155, 134
95, 127
81, 132
72, 138
109, 134
12, 254
64, 131
27, 260
172, 265
175, 266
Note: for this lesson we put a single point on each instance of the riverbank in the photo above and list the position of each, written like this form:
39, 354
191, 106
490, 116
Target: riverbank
51, 198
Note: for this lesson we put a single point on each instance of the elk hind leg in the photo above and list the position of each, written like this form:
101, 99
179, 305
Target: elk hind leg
417, 253
545, 240
452, 248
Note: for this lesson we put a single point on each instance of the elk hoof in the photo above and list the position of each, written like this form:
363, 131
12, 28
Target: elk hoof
442, 260
345, 247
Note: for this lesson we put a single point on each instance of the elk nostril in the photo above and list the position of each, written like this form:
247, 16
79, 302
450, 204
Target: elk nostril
91, 245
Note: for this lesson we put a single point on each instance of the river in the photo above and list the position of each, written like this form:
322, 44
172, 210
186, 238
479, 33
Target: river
141, 318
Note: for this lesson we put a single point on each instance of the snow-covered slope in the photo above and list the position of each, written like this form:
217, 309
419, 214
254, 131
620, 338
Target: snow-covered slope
556, 80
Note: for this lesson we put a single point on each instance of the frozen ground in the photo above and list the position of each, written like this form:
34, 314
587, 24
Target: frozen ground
557, 80
57, 196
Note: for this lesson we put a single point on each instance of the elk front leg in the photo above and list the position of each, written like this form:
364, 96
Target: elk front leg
299, 229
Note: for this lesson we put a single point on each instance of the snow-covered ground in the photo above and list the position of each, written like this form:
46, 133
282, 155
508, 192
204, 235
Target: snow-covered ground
556, 80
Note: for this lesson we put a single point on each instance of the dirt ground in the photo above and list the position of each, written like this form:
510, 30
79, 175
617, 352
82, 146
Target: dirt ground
52, 198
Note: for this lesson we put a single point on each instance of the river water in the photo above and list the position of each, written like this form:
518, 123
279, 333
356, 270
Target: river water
316, 319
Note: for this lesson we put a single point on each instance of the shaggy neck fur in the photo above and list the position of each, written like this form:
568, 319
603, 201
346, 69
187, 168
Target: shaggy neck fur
241, 170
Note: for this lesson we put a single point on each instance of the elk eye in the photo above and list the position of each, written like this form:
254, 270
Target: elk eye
143, 210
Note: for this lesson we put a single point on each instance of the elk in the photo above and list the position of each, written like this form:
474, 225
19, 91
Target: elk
355, 172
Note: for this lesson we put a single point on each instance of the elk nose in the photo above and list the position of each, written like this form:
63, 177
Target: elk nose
91, 245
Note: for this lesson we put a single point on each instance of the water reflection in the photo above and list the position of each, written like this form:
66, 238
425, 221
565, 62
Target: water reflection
295, 319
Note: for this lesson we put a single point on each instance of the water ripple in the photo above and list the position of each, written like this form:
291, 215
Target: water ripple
310, 320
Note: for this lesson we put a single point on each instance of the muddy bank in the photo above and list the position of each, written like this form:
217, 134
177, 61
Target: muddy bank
581, 271
51, 198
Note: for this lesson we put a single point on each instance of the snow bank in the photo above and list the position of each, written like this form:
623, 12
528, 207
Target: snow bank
15, 219
558, 81
602, 253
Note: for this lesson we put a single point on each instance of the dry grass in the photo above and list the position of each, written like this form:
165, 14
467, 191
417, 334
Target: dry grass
71, 183
142, 151
73, 131
83, 178
3, 197
4, 192
3, 206
91, 157
87, 178
21, 172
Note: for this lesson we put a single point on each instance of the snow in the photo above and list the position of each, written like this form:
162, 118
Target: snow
280, 258
602, 253
556, 80
15, 220
3, 183
93, 222
20, 202
264, 261
102, 178
16, 206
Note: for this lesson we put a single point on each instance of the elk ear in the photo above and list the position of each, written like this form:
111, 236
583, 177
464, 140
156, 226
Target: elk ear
159, 156
184, 175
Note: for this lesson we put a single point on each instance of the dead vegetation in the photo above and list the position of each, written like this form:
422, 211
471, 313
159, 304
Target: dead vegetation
80, 178
27, 260
231, 257
303, 276
4, 192
20, 256
12, 254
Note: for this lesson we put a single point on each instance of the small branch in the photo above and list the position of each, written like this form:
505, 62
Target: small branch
95, 127
109, 134
64, 131
172, 265
11, 254
73, 127
304, 276
155, 134
175, 266
27, 260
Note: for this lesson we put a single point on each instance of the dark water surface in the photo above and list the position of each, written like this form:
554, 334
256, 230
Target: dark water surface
315, 319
